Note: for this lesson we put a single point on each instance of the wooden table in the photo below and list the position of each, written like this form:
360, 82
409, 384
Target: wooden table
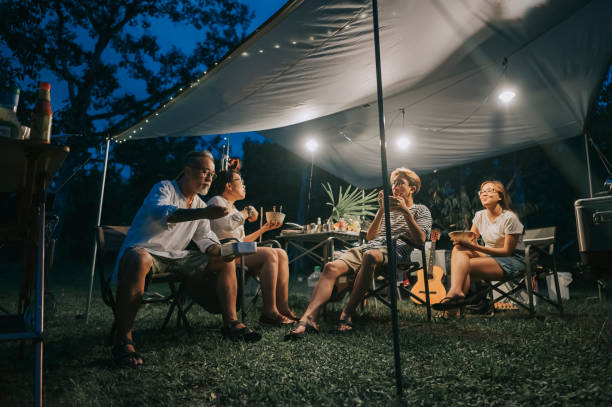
26, 168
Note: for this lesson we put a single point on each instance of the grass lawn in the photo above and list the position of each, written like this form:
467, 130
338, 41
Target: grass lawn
509, 359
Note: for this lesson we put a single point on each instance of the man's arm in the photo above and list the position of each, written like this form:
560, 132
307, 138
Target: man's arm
187, 215
415, 233
375, 225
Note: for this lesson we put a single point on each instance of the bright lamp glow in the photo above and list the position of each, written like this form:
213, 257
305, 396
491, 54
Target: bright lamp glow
403, 143
506, 96
312, 145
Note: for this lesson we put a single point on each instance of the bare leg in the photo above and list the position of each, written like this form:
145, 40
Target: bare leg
130, 289
282, 284
265, 261
467, 263
371, 259
322, 292
226, 287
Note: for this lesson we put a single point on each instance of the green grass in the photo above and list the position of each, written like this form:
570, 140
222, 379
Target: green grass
509, 359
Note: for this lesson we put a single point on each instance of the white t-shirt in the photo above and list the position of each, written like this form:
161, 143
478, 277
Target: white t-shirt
494, 233
231, 225
151, 231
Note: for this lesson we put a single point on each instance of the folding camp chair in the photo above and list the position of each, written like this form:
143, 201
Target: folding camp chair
539, 261
344, 284
110, 239
378, 290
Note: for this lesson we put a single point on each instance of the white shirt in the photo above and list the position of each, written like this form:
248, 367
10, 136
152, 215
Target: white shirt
494, 233
229, 226
151, 231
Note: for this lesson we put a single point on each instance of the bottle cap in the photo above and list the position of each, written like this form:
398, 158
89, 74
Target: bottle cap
44, 85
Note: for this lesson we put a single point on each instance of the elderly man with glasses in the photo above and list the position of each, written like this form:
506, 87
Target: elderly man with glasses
171, 216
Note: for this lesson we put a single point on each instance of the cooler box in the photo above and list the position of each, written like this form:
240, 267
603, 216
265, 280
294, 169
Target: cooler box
594, 228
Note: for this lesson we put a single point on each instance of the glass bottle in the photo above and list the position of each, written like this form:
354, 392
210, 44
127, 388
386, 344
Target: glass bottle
42, 116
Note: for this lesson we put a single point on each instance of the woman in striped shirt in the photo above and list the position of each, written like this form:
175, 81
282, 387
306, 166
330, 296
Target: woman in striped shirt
407, 218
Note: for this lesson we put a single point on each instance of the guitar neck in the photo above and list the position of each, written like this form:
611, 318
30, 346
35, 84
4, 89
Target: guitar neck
432, 255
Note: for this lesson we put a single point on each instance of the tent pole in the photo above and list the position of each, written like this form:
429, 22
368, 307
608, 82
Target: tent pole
588, 163
386, 187
95, 247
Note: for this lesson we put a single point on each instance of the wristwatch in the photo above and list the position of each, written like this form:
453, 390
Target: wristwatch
250, 211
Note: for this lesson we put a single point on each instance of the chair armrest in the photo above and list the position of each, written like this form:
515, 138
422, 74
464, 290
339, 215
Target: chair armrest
271, 243
407, 240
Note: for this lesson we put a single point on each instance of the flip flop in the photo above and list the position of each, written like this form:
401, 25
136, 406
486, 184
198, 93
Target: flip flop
245, 333
292, 335
449, 303
343, 322
291, 316
124, 357
276, 321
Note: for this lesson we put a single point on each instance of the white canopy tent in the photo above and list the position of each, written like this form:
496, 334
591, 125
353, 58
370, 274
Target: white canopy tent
309, 72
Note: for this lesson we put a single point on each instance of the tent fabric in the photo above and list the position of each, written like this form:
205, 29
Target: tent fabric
309, 72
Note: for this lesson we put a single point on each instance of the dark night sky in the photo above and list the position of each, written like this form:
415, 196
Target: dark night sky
185, 38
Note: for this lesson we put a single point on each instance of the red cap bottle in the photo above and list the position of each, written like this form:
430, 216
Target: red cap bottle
42, 116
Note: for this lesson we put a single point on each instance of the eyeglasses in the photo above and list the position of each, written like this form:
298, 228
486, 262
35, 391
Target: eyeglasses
400, 181
206, 173
238, 180
487, 191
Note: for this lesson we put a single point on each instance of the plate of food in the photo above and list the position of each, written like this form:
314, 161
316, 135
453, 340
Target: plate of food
462, 236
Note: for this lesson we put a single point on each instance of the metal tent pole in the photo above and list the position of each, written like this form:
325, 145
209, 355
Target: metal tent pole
385, 178
95, 247
588, 163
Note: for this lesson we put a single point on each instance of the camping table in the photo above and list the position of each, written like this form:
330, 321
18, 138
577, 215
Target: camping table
324, 243
26, 168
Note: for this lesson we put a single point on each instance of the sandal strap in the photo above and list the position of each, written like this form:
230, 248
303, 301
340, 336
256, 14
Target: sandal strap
124, 342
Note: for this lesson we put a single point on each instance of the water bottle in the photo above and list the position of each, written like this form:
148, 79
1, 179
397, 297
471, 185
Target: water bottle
314, 278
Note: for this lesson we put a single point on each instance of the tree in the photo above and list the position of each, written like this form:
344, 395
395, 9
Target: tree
88, 44
95, 48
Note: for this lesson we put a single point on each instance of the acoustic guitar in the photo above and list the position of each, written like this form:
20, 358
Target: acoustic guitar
437, 291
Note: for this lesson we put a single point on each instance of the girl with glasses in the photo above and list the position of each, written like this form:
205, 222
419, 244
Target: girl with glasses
271, 264
502, 254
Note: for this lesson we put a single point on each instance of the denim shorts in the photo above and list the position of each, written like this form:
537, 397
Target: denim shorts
511, 265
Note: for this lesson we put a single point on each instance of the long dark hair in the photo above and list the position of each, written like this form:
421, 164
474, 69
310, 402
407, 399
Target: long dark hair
220, 183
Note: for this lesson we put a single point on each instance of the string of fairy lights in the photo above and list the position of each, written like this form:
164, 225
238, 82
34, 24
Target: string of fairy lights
403, 141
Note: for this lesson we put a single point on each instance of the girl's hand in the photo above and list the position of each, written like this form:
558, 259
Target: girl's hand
270, 226
472, 245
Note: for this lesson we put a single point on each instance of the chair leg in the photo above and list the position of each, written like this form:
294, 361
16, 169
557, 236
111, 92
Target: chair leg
556, 277
559, 300
528, 278
241, 288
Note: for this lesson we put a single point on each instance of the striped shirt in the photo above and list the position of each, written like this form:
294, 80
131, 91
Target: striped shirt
399, 227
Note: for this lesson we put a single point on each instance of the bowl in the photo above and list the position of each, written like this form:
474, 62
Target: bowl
460, 236
276, 217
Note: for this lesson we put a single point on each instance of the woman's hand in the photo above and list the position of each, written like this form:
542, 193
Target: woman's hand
470, 244
270, 226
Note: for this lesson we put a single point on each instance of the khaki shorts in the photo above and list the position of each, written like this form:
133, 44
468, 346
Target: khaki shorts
354, 257
199, 283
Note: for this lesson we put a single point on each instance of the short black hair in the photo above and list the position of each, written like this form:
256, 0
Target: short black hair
223, 177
